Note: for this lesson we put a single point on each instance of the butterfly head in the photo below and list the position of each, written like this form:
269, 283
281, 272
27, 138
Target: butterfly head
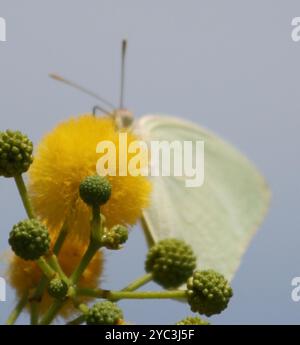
123, 118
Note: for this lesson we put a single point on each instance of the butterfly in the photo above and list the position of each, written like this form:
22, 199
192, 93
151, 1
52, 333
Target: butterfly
218, 218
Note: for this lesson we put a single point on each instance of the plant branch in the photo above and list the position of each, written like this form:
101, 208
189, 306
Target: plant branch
51, 313
24, 195
46, 268
17, 310
116, 295
60, 239
53, 261
90, 252
94, 245
38, 294
77, 321
138, 282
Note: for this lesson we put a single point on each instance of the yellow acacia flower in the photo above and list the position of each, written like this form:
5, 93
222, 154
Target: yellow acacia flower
67, 155
25, 275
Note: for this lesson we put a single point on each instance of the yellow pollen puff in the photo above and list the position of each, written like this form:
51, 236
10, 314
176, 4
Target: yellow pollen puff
67, 155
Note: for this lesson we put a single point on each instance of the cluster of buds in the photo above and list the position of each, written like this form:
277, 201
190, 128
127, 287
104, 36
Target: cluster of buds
208, 292
104, 313
29, 239
15, 153
170, 263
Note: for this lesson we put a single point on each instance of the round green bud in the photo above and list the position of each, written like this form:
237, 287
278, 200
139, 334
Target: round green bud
29, 239
171, 262
95, 190
104, 313
208, 292
115, 237
57, 288
192, 320
15, 153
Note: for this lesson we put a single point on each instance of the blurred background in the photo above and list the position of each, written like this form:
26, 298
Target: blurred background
229, 66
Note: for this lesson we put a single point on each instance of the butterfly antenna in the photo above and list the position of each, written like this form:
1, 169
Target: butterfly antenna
97, 108
82, 89
122, 86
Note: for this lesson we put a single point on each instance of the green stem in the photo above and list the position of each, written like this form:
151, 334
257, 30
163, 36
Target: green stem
51, 313
17, 310
60, 239
78, 321
24, 195
94, 245
46, 268
53, 261
81, 318
90, 252
34, 306
37, 296
49, 273
96, 226
113, 295
138, 282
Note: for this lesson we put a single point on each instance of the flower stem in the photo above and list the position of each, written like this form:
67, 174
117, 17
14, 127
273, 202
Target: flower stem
78, 321
34, 313
113, 295
46, 268
35, 300
96, 226
24, 195
38, 294
51, 313
138, 282
17, 310
49, 273
94, 245
90, 252
81, 318
53, 261
60, 239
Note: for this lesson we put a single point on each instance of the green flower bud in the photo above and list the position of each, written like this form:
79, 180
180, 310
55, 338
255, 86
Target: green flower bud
208, 292
104, 313
15, 153
171, 262
29, 239
57, 288
95, 190
193, 320
115, 237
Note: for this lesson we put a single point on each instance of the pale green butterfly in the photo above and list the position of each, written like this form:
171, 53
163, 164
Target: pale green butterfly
219, 218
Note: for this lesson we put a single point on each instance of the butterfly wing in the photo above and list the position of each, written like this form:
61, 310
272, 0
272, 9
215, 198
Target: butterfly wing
217, 219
